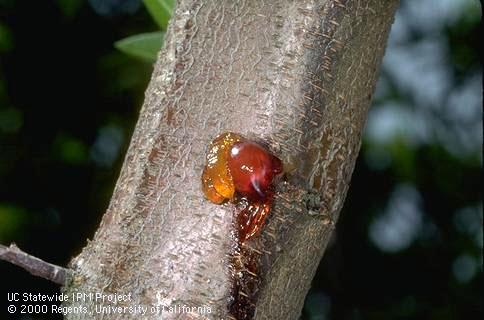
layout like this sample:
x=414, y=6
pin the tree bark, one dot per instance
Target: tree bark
x=297, y=76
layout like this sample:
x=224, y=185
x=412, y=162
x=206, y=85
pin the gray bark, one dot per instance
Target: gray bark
x=296, y=75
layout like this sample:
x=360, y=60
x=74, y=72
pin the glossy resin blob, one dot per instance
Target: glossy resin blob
x=242, y=172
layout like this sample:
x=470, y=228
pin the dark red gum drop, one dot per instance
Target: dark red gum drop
x=253, y=170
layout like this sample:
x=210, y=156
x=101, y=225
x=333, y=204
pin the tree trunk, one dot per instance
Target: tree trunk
x=295, y=75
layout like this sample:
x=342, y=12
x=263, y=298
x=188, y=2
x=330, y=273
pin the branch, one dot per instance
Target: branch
x=295, y=75
x=34, y=265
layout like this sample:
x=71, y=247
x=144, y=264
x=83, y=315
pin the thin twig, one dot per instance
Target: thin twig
x=33, y=265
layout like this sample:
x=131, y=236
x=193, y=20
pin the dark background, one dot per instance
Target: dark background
x=409, y=241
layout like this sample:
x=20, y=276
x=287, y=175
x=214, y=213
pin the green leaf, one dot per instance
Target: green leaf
x=144, y=46
x=160, y=10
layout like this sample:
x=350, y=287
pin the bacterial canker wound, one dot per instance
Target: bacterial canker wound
x=242, y=172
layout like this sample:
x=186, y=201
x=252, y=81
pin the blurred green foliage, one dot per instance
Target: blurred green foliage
x=69, y=150
x=408, y=244
x=145, y=46
x=69, y=8
x=12, y=221
x=10, y=120
x=5, y=39
x=160, y=10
